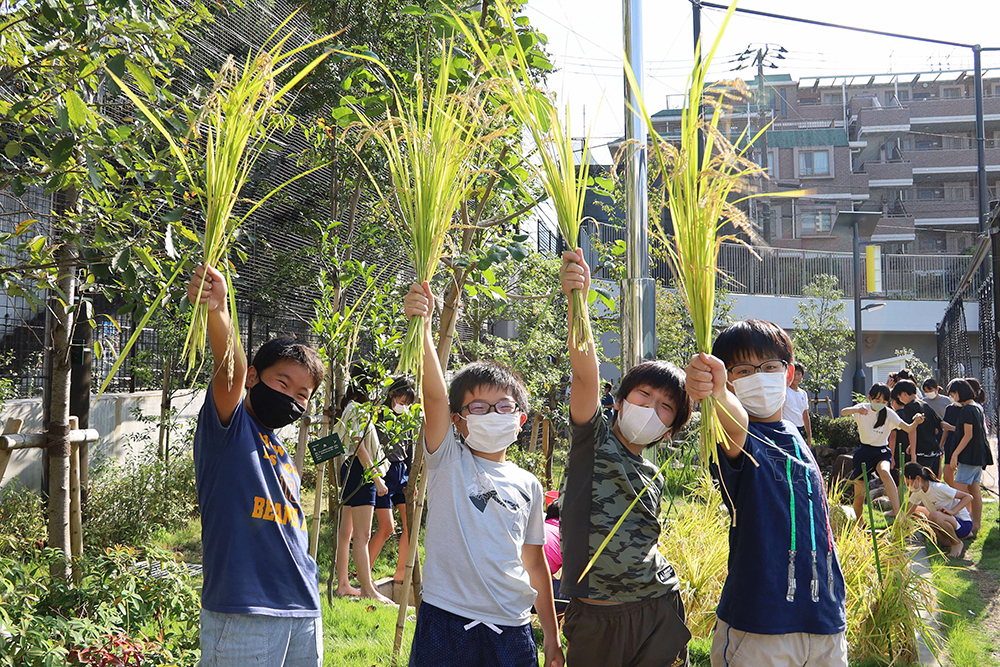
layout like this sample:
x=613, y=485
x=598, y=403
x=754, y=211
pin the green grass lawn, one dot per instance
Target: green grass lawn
x=970, y=621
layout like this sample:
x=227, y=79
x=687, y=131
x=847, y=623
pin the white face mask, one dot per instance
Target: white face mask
x=931, y=395
x=761, y=394
x=400, y=408
x=640, y=425
x=492, y=432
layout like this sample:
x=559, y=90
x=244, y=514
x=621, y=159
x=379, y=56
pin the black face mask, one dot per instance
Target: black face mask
x=273, y=408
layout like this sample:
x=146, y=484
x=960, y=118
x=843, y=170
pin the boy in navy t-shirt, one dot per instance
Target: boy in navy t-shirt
x=260, y=597
x=783, y=600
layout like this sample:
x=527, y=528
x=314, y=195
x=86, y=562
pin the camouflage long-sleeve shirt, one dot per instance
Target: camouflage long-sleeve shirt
x=602, y=479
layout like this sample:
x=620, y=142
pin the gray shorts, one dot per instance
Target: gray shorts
x=735, y=648
x=966, y=474
x=237, y=640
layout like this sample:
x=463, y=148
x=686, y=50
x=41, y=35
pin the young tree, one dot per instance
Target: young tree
x=674, y=331
x=920, y=370
x=822, y=335
x=108, y=174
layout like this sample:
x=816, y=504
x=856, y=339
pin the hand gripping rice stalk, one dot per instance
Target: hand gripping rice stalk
x=431, y=143
x=235, y=124
x=564, y=182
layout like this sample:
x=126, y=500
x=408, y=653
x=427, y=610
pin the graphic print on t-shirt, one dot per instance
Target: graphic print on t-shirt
x=481, y=494
x=266, y=509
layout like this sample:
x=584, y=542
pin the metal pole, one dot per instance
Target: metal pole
x=859, y=366
x=983, y=198
x=638, y=289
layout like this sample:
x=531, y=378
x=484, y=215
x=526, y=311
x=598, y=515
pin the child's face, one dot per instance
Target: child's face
x=482, y=394
x=756, y=360
x=287, y=376
x=648, y=396
x=877, y=401
x=916, y=484
x=797, y=378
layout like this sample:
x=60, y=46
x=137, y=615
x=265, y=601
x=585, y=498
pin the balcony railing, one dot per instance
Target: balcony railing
x=785, y=272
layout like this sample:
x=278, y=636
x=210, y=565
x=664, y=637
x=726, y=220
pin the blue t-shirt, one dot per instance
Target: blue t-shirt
x=253, y=530
x=762, y=593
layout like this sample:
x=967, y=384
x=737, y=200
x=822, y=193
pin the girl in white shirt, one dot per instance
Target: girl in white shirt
x=875, y=421
x=946, y=507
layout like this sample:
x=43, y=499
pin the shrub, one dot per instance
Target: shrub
x=117, y=615
x=843, y=433
x=22, y=522
x=129, y=501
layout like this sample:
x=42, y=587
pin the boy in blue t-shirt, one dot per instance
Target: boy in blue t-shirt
x=260, y=597
x=783, y=600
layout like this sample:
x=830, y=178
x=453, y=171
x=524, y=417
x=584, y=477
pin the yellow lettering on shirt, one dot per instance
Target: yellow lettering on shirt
x=291, y=515
x=258, y=507
x=279, y=513
x=269, y=511
x=280, y=450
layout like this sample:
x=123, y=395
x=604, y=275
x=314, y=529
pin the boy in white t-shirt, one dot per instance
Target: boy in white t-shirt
x=875, y=421
x=796, y=409
x=484, y=562
x=945, y=506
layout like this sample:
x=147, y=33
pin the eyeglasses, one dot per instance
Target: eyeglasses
x=504, y=407
x=770, y=366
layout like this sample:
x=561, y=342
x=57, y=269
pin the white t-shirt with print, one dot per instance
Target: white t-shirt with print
x=796, y=402
x=866, y=425
x=939, y=496
x=480, y=514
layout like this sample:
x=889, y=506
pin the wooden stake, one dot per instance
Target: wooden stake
x=10, y=428
x=317, y=507
x=411, y=557
x=548, y=448
x=300, y=448
x=75, y=514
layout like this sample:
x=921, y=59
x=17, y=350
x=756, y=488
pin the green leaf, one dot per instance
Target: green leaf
x=62, y=151
x=12, y=149
x=36, y=244
x=143, y=80
x=147, y=259
x=412, y=10
x=75, y=108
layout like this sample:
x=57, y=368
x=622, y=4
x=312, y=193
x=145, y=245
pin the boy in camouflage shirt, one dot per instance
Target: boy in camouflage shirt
x=627, y=609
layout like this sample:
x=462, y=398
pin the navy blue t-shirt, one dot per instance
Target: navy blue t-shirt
x=757, y=596
x=253, y=530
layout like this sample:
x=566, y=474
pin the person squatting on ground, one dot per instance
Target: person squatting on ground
x=260, y=595
x=362, y=481
x=484, y=565
x=972, y=450
x=875, y=420
x=782, y=602
x=796, y=409
x=399, y=454
x=627, y=609
x=945, y=506
x=924, y=441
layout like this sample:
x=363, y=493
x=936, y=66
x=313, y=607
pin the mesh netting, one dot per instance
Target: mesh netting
x=988, y=355
x=954, y=355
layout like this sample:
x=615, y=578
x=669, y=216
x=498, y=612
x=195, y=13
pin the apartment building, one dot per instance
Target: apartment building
x=900, y=144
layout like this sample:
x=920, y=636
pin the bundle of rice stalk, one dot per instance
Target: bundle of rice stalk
x=431, y=143
x=564, y=182
x=236, y=124
x=697, y=185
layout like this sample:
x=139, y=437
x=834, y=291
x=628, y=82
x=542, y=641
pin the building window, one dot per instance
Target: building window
x=930, y=193
x=904, y=95
x=922, y=96
x=808, y=101
x=956, y=191
x=814, y=163
x=954, y=142
x=817, y=221
x=772, y=163
x=832, y=98
x=933, y=243
x=951, y=93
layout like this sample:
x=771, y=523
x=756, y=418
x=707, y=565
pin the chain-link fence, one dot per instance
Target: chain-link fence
x=988, y=354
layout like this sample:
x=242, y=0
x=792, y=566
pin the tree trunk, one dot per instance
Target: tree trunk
x=57, y=430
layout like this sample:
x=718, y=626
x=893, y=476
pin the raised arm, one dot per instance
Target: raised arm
x=585, y=390
x=213, y=293
x=909, y=428
x=859, y=409
x=706, y=376
x=437, y=416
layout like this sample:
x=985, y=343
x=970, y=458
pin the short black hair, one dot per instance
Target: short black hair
x=905, y=374
x=291, y=349
x=978, y=395
x=401, y=387
x=552, y=511
x=664, y=376
x=606, y=386
x=800, y=367
x=903, y=387
x=931, y=383
x=486, y=374
x=963, y=389
x=742, y=339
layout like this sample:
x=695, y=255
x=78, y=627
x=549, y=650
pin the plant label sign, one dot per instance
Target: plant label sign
x=326, y=448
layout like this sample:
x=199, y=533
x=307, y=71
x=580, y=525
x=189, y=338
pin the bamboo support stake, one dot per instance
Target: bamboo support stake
x=411, y=556
x=75, y=514
x=320, y=475
x=536, y=422
x=11, y=427
x=300, y=448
